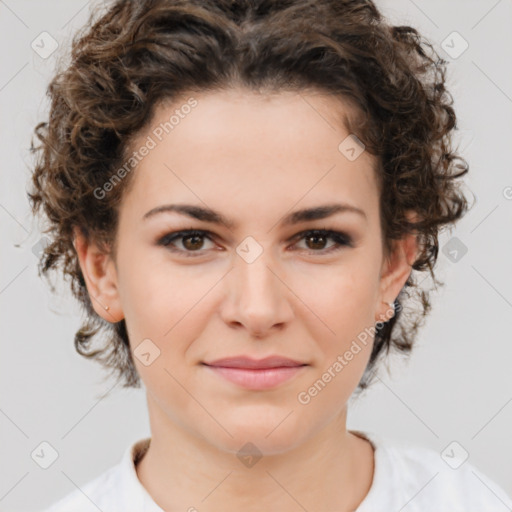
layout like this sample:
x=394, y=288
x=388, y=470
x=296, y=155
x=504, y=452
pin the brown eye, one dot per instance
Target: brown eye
x=192, y=242
x=315, y=240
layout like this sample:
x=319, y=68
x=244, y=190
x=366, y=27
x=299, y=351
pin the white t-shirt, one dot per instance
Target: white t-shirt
x=406, y=478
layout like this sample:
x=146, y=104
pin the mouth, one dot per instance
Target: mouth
x=249, y=363
x=256, y=374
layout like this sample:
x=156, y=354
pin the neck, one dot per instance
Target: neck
x=332, y=470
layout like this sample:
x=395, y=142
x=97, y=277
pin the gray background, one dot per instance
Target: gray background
x=457, y=384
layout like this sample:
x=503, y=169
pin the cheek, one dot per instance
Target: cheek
x=155, y=292
x=344, y=339
x=343, y=298
x=163, y=305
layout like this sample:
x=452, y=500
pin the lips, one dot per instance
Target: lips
x=248, y=363
x=256, y=374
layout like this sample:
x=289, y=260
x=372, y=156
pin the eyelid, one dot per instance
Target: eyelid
x=341, y=239
x=182, y=233
x=323, y=231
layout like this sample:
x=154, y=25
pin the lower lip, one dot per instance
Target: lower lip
x=257, y=379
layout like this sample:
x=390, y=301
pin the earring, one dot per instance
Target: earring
x=392, y=306
x=107, y=308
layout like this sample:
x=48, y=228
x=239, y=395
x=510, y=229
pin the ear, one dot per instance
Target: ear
x=395, y=271
x=100, y=276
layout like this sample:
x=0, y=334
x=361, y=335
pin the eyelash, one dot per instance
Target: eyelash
x=341, y=240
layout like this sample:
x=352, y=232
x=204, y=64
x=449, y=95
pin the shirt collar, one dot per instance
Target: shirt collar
x=135, y=496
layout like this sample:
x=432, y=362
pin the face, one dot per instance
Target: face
x=265, y=284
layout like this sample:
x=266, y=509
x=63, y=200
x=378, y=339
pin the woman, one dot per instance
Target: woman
x=242, y=194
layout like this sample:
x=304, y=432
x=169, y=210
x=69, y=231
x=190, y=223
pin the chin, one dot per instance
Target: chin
x=259, y=435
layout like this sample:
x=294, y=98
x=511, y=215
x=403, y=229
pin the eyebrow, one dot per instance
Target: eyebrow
x=208, y=215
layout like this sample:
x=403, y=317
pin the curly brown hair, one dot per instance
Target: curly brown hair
x=140, y=53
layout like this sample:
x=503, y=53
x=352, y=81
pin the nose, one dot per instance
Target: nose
x=257, y=297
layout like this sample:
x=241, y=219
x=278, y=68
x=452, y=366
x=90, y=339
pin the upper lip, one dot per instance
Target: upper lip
x=248, y=362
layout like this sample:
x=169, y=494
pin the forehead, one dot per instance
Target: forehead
x=246, y=148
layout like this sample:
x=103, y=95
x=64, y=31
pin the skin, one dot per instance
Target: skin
x=254, y=158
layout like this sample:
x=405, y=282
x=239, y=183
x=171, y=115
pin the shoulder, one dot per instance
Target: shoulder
x=423, y=479
x=115, y=489
x=95, y=495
